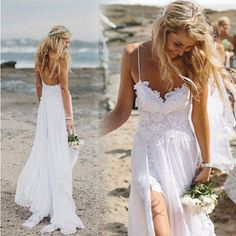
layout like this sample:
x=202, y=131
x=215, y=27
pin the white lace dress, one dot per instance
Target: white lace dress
x=45, y=183
x=164, y=158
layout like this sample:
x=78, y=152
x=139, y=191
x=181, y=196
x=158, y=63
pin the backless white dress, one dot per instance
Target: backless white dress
x=45, y=183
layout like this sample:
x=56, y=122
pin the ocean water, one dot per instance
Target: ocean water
x=83, y=54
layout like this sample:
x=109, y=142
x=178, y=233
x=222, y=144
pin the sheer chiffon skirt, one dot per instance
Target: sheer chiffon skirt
x=167, y=166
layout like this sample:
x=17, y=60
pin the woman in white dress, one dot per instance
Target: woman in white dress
x=45, y=183
x=170, y=75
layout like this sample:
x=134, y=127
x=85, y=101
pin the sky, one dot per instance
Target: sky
x=213, y=4
x=34, y=18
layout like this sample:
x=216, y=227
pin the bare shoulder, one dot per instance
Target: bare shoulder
x=53, y=57
x=130, y=49
x=63, y=63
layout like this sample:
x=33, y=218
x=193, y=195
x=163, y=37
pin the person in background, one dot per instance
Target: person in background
x=227, y=40
x=220, y=48
x=224, y=59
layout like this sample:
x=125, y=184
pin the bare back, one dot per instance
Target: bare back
x=45, y=75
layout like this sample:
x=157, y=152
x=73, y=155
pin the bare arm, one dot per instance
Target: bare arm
x=120, y=114
x=66, y=94
x=202, y=131
x=64, y=88
x=201, y=124
x=38, y=84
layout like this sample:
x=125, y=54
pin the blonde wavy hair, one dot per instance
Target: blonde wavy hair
x=201, y=62
x=54, y=42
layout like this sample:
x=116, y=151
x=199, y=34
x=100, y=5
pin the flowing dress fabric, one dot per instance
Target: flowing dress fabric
x=222, y=123
x=164, y=158
x=230, y=185
x=45, y=183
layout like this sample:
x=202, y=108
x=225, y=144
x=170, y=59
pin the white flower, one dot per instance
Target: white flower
x=208, y=209
x=194, y=209
x=208, y=200
x=196, y=201
x=203, y=204
x=74, y=142
x=186, y=200
x=214, y=196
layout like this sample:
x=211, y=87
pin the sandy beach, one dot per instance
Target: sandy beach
x=19, y=111
x=134, y=25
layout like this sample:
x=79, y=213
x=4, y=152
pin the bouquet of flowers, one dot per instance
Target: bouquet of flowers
x=200, y=198
x=74, y=142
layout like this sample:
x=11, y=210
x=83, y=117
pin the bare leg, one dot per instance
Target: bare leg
x=160, y=215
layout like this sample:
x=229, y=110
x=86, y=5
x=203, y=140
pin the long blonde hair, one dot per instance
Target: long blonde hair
x=202, y=61
x=54, y=42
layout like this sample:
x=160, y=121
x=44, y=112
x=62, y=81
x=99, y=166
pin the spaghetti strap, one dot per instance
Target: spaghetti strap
x=139, y=69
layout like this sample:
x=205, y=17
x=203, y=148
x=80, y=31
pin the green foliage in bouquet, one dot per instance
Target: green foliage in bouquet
x=200, y=190
x=75, y=142
x=73, y=138
x=196, y=190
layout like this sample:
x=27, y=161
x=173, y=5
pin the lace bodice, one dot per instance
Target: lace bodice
x=161, y=115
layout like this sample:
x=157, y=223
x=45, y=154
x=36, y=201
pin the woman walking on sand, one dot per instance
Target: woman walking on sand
x=170, y=75
x=45, y=183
